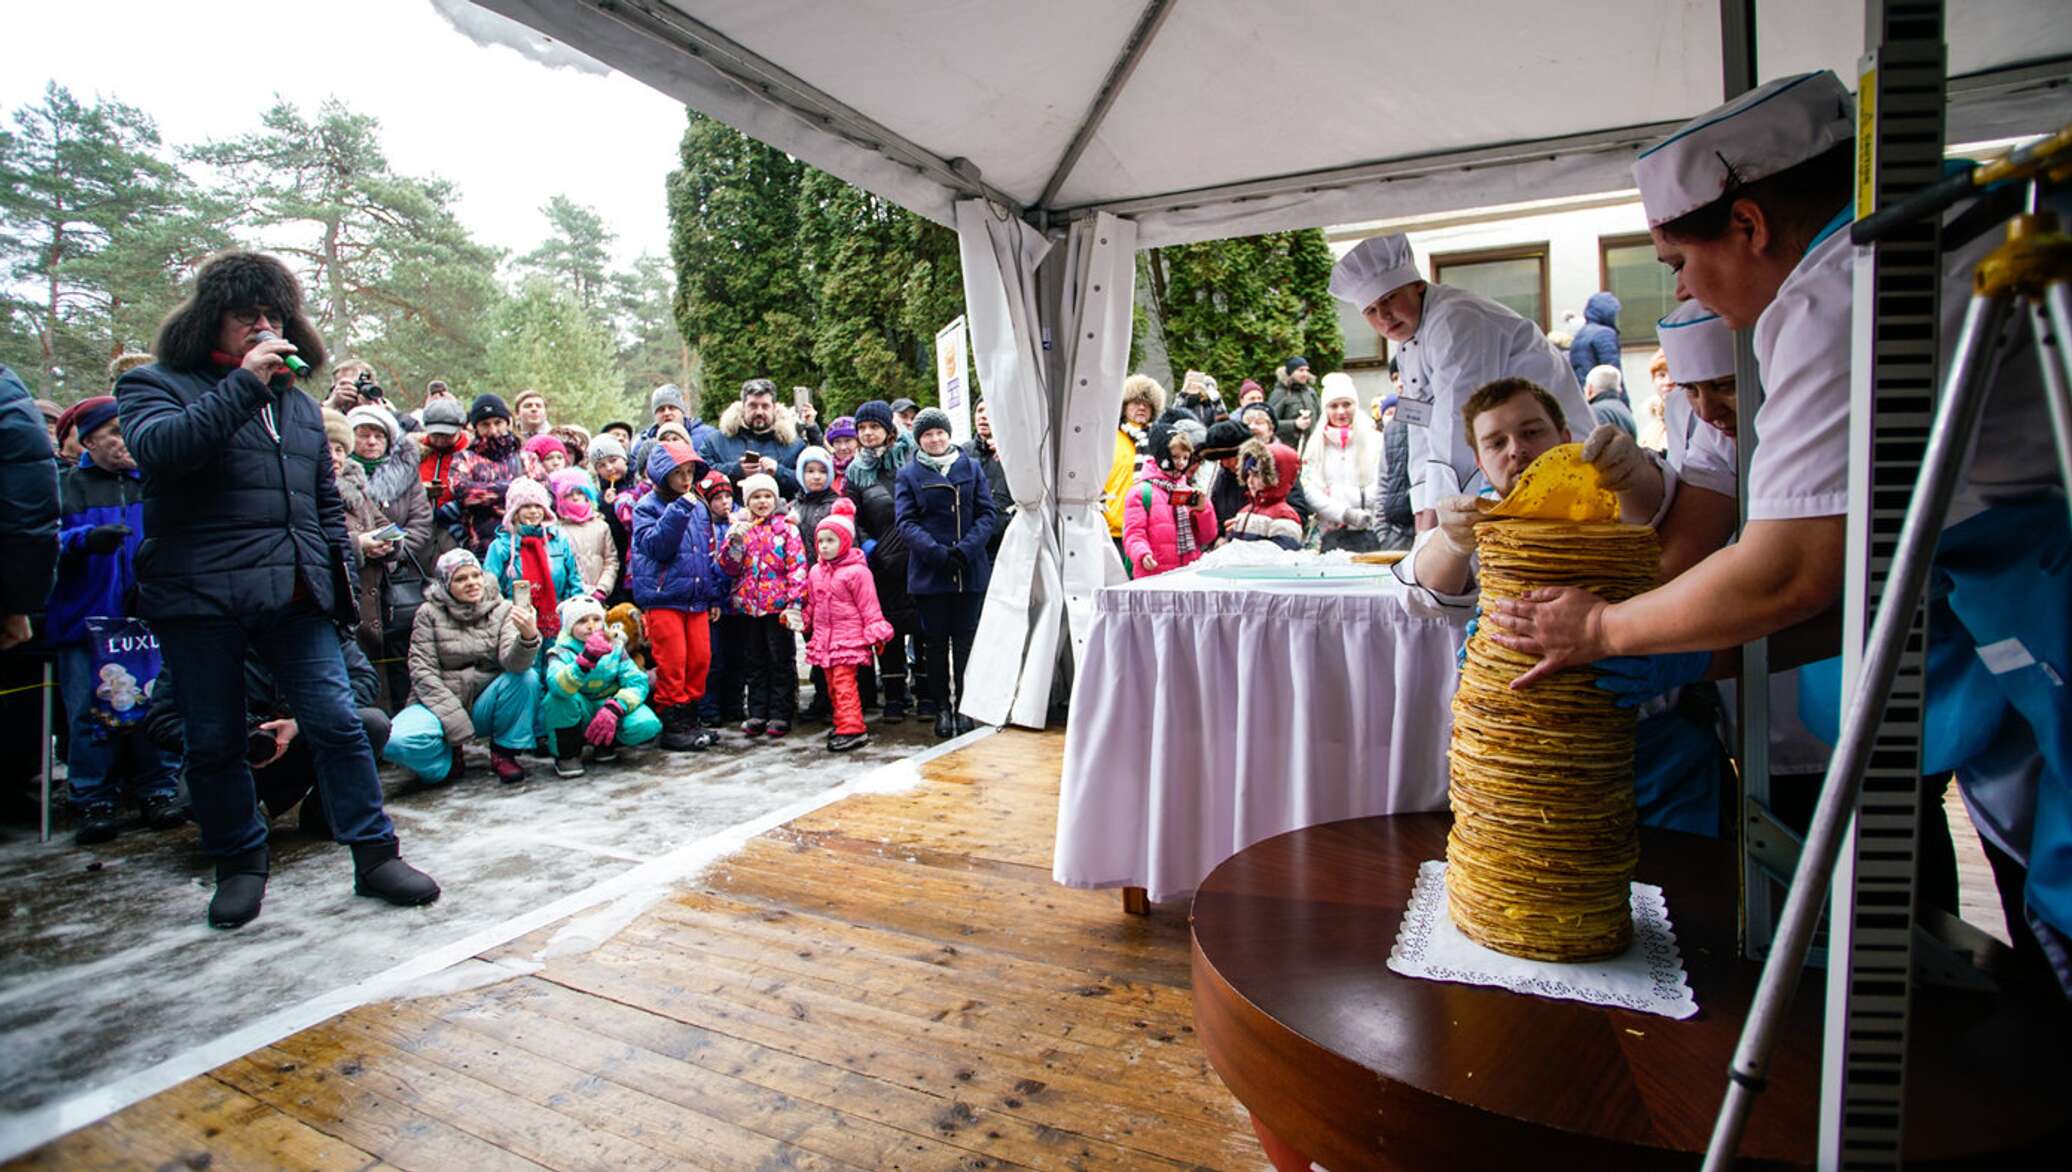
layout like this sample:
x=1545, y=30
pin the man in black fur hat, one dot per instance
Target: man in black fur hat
x=248, y=548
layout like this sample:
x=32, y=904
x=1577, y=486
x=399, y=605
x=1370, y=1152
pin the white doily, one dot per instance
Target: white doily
x=1648, y=977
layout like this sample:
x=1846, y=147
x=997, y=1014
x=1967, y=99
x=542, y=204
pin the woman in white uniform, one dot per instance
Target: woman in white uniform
x=1747, y=203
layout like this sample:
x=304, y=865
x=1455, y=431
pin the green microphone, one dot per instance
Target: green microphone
x=288, y=360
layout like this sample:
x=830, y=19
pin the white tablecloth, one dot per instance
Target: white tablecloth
x=1210, y=714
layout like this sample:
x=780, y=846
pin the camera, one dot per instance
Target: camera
x=367, y=387
x=260, y=745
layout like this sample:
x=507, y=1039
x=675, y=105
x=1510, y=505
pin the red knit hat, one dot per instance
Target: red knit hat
x=841, y=522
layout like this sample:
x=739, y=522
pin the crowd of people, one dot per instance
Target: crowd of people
x=331, y=580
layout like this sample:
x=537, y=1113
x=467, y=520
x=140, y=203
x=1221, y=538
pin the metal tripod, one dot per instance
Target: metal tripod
x=2034, y=268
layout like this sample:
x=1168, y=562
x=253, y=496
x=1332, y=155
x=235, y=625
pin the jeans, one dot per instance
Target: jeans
x=949, y=621
x=503, y=713
x=90, y=751
x=300, y=647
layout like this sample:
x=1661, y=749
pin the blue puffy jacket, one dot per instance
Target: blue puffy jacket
x=1597, y=340
x=94, y=584
x=29, y=486
x=674, y=565
x=938, y=513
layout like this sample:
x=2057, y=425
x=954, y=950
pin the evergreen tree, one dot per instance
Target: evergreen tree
x=576, y=251
x=1236, y=308
x=544, y=339
x=97, y=229
x=651, y=352
x=742, y=299
x=385, y=265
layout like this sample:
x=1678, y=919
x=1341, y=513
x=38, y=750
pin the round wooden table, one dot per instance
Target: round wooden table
x=1355, y=1066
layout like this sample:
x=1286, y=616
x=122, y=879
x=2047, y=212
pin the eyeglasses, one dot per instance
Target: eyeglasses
x=251, y=315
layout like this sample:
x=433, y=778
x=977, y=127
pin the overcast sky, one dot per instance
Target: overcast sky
x=508, y=131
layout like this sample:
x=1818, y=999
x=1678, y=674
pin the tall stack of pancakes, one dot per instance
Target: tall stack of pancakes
x=1543, y=845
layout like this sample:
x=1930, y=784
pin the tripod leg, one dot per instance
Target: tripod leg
x=2052, y=317
x=1957, y=415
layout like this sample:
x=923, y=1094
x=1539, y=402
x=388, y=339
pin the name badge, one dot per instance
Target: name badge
x=1415, y=412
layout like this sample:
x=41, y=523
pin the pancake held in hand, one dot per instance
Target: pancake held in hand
x=1559, y=485
x=1540, y=860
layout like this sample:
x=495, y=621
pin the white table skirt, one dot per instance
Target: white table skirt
x=1210, y=714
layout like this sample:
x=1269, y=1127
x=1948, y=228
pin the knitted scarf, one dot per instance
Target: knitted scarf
x=537, y=568
x=940, y=463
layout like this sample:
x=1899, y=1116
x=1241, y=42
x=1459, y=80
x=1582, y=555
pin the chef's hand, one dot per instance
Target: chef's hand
x=1562, y=625
x=1621, y=465
x=1457, y=518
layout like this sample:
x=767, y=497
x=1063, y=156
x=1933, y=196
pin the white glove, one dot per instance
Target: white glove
x=1620, y=463
x=1358, y=519
x=1457, y=517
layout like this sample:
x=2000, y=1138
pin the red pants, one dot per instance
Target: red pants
x=682, y=643
x=841, y=685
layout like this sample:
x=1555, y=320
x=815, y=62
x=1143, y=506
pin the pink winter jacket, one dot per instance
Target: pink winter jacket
x=843, y=622
x=767, y=561
x=1156, y=530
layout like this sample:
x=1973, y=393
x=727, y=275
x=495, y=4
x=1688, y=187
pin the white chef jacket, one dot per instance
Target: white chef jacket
x=1462, y=342
x=1802, y=342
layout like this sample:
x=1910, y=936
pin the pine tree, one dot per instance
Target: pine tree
x=102, y=227
x=651, y=352
x=576, y=251
x=384, y=264
x=1236, y=308
x=543, y=338
x=741, y=296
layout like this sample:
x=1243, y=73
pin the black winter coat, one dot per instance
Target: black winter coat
x=988, y=458
x=29, y=490
x=877, y=519
x=1398, y=523
x=235, y=518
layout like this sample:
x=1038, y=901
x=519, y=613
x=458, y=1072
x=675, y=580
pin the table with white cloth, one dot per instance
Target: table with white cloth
x=1210, y=713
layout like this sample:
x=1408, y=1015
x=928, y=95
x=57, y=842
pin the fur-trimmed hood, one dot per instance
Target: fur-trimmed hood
x=785, y=428
x=1277, y=465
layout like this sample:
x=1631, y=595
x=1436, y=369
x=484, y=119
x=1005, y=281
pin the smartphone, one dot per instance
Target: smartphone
x=389, y=532
x=802, y=396
x=751, y=457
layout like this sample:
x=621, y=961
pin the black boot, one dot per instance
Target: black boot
x=163, y=811
x=965, y=724
x=240, y=889
x=97, y=824
x=379, y=871
x=680, y=731
x=945, y=725
x=568, y=752
x=843, y=742
x=895, y=701
x=702, y=738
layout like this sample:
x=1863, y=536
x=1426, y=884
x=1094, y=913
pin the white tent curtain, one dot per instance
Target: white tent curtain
x=1055, y=441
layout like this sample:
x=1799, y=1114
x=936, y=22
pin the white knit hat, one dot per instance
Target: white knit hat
x=1766, y=130
x=1376, y=266
x=575, y=608
x=1338, y=385
x=759, y=482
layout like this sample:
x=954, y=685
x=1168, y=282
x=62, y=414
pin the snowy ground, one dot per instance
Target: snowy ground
x=107, y=968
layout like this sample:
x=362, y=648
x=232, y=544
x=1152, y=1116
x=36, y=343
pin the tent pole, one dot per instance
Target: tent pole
x=1133, y=49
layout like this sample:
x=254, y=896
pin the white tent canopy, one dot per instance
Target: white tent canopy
x=1059, y=137
x=1206, y=118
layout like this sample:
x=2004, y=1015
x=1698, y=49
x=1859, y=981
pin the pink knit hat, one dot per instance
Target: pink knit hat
x=540, y=445
x=523, y=492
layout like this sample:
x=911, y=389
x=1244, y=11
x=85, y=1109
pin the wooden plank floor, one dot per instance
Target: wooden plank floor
x=891, y=982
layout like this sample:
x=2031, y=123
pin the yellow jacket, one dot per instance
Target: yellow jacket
x=1121, y=474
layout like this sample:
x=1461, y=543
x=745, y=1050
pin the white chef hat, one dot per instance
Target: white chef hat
x=1698, y=343
x=1376, y=266
x=1766, y=130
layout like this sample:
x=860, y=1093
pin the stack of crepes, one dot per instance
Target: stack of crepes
x=1543, y=845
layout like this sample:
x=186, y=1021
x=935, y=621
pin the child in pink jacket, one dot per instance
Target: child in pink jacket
x=1166, y=521
x=765, y=556
x=844, y=625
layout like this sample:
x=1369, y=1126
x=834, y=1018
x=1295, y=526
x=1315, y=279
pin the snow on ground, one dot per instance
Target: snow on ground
x=107, y=966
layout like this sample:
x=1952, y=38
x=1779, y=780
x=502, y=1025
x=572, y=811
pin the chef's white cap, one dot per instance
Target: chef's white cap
x=1766, y=130
x=1698, y=343
x=1376, y=266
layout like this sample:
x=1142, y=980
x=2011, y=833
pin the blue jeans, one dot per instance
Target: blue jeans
x=207, y=659
x=91, y=748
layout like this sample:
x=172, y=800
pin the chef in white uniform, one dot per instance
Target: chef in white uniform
x=1450, y=342
x=1748, y=204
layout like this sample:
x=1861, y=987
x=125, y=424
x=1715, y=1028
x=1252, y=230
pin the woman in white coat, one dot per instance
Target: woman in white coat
x=1341, y=469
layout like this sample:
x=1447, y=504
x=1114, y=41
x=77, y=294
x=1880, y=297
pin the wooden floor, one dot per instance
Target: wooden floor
x=891, y=982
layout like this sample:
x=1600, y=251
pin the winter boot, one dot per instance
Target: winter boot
x=778, y=728
x=240, y=889
x=163, y=811
x=843, y=742
x=505, y=763
x=895, y=701
x=965, y=724
x=568, y=753
x=379, y=871
x=97, y=824
x=755, y=726
x=605, y=754
x=945, y=725
x=680, y=731
x=702, y=738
